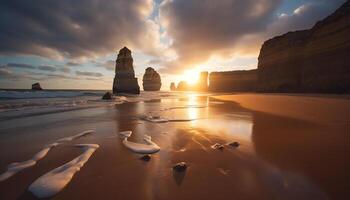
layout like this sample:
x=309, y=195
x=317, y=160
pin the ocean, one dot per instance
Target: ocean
x=24, y=103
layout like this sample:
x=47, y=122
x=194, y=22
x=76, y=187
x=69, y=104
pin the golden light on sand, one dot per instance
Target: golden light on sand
x=191, y=76
x=192, y=112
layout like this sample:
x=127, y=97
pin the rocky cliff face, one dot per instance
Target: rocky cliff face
x=151, y=80
x=233, y=81
x=315, y=60
x=124, y=80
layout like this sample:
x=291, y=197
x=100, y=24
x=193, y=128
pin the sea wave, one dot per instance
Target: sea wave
x=27, y=94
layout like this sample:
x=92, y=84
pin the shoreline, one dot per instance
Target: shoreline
x=313, y=107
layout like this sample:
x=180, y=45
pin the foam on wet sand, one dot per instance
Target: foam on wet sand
x=54, y=181
x=149, y=148
x=70, y=138
x=16, y=167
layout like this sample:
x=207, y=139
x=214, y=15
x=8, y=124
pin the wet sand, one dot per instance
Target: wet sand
x=280, y=157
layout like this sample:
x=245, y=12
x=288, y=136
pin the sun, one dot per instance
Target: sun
x=191, y=76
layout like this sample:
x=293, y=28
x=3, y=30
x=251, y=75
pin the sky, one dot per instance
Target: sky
x=73, y=44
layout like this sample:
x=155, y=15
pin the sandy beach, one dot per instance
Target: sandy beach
x=291, y=147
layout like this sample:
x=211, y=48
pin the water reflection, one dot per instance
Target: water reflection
x=254, y=170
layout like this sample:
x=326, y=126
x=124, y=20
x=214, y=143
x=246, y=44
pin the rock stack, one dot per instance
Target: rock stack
x=151, y=80
x=172, y=86
x=124, y=80
x=36, y=86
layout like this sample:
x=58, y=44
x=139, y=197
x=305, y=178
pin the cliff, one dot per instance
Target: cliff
x=124, y=80
x=315, y=60
x=233, y=81
x=151, y=80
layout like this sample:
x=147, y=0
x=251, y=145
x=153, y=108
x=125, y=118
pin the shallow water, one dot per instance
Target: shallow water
x=278, y=158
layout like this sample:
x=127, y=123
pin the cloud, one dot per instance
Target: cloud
x=19, y=65
x=201, y=29
x=109, y=64
x=73, y=64
x=76, y=28
x=47, y=68
x=303, y=17
x=91, y=74
x=64, y=69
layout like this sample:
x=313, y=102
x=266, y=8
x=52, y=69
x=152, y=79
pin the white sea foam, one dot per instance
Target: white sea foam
x=125, y=134
x=16, y=167
x=216, y=102
x=149, y=148
x=184, y=107
x=70, y=138
x=155, y=119
x=54, y=181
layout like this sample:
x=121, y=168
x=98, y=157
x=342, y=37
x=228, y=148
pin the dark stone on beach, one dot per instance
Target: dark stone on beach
x=146, y=158
x=180, y=167
x=125, y=80
x=107, y=96
x=36, y=86
x=234, y=144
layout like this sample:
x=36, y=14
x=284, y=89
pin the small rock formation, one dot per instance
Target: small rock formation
x=180, y=167
x=172, y=86
x=314, y=60
x=107, y=96
x=151, y=80
x=124, y=80
x=233, y=81
x=182, y=86
x=36, y=86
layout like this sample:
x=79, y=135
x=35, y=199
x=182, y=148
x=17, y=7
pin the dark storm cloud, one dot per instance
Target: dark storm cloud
x=47, y=68
x=202, y=28
x=73, y=64
x=19, y=65
x=74, y=28
x=91, y=74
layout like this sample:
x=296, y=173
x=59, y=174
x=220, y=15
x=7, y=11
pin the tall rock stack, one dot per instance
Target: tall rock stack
x=124, y=80
x=151, y=80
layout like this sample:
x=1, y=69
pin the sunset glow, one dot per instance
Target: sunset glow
x=191, y=76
